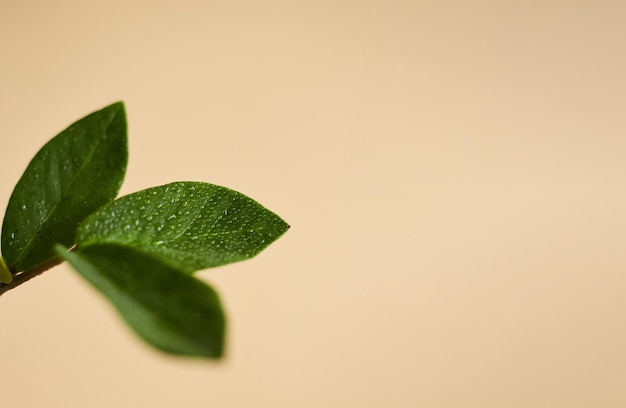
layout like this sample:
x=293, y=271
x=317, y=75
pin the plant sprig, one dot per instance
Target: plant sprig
x=141, y=250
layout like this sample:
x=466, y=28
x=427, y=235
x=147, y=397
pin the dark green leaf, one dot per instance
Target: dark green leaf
x=190, y=225
x=168, y=308
x=75, y=173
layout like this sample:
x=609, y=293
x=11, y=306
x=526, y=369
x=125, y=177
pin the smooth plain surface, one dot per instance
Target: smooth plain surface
x=453, y=173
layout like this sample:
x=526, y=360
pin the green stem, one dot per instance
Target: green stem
x=27, y=275
x=5, y=274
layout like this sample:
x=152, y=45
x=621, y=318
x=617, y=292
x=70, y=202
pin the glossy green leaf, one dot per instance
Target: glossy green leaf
x=75, y=173
x=168, y=308
x=190, y=225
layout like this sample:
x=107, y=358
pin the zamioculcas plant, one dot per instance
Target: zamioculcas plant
x=141, y=250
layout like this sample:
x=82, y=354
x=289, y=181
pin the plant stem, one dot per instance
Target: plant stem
x=27, y=275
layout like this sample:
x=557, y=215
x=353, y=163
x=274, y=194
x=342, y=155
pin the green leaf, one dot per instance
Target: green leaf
x=190, y=225
x=74, y=174
x=171, y=310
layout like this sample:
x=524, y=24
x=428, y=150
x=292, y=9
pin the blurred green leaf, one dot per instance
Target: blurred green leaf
x=190, y=225
x=74, y=174
x=171, y=310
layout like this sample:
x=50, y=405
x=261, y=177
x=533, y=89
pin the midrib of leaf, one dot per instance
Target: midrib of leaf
x=181, y=233
x=164, y=242
x=145, y=247
x=209, y=230
x=201, y=235
x=62, y=195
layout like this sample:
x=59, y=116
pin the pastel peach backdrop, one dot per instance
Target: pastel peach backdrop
x=453, y=172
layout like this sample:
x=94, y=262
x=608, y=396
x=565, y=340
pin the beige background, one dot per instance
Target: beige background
x=454, y=173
